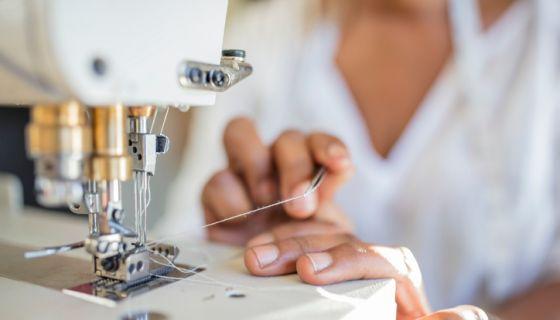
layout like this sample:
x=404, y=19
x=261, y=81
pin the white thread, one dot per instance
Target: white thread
x=210, y=280
x=192, y=271
x=248, y=213
x=315, y=183
x=136, y=227
x=142, y=198
x=147, y=199
x=142, y=191
x=164, y=120
x=140, y=209
x=153, y=121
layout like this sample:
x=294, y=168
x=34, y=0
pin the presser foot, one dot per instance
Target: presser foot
x=109, y=292
x=131, y=273
x=134, y=264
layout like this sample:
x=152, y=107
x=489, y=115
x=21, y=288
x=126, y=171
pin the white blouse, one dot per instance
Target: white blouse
x=469, y=187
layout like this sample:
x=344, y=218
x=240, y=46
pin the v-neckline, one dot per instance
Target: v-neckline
x=426, y=118
x=339, y=114
x=423, y=124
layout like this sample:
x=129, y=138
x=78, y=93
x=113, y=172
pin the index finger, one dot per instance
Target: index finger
x=251, y=159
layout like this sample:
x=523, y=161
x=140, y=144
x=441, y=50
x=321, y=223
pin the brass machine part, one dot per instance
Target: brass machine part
x=142, y=111
x=110, y=159
x=59, y=130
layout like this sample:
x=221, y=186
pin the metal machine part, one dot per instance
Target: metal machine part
x=143, y=145
x=53, y=250
x=232, y=69
x=110, y=160
x=118, y=253
x=129, y=266
x=59, y=141
x=107, y=291
x=134, y=264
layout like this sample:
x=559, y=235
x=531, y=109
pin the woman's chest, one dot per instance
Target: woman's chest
x=389, y=67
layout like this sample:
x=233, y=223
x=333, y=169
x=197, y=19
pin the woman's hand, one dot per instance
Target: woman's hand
x=259, y=175
x=322, y=253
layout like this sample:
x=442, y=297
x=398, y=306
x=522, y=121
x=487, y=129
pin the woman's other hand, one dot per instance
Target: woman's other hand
x=258, y=175
x=322, y=253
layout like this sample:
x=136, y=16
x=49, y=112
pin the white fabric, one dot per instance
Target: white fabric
x=470, y=185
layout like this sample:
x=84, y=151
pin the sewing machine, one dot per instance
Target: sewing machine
x=96, y=75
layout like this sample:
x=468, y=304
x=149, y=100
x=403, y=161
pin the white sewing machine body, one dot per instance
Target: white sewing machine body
x=95, y=72
x=104, y=52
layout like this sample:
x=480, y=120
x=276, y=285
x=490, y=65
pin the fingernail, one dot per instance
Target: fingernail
x=305, y=204
x=320, y=260
x=335, y=150
x=266, y=254
x=261, y=239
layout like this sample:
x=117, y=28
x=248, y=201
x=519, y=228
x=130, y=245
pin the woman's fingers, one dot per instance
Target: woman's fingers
x=356, y=260
x=224, y=196
x=331, y=258
x=280, y=257
x=296, y=157
x=465, y=312
x=330, y=152
x=226, y=234
x=251, y=159
x=295, y=168
x=295, y=229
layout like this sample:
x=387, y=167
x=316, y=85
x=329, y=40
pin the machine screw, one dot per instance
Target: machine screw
x=118, y=215
x=219, y=78
x=195, y=75
x=110, y=264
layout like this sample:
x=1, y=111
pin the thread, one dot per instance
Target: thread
x=154, y=121
x=209, y=280
x=143, y=197
x=315, y=183
x=164, y=120
x=142, y=191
